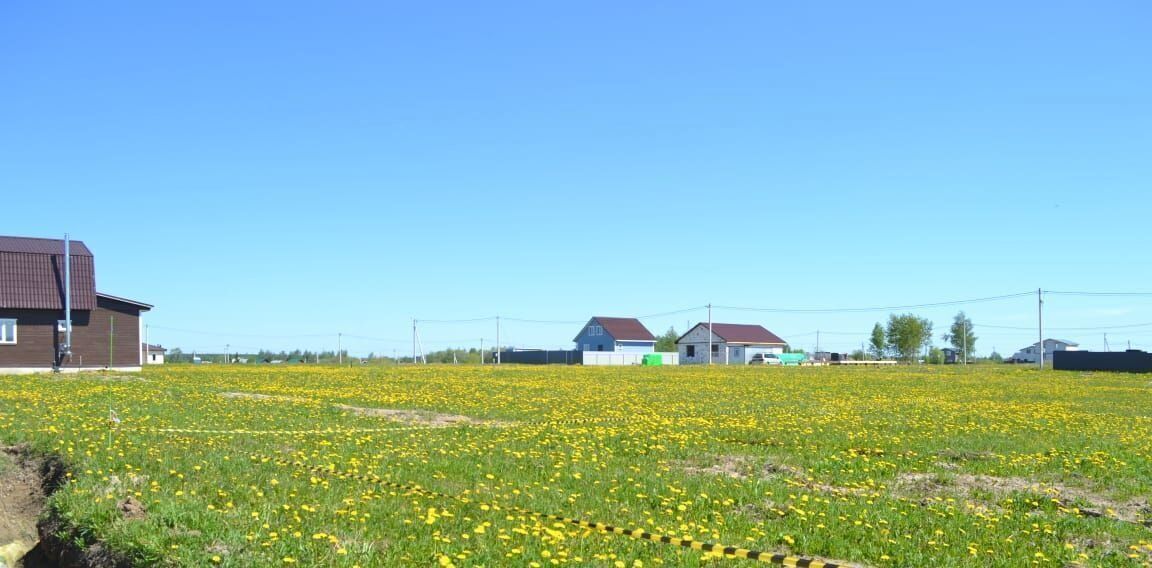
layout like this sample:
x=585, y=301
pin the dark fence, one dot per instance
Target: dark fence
x=542, y=357
x=1132, y=361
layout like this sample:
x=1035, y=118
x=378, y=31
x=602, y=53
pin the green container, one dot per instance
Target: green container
x=791, y=358
x=652, y=360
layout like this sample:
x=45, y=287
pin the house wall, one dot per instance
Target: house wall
x=154, y=358
x=698, y=338
x=1029, y=355
x=636, y=346
x=587, y=342
x=38, y=341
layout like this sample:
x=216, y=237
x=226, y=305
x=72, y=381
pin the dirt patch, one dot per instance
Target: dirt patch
x=417, y=417
x=29, y=538
x=1072, y=499
x=131, y=509
x=735, y=467
x=21, y=500
x=258, y=396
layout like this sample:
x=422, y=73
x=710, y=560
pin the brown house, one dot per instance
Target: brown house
x=33, y=333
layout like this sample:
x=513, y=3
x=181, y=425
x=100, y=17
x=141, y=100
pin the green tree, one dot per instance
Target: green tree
x=878, y=341
x=907, y=334
x=996, y=357
x=936, y=356
x=667, y=343
x=961, y=336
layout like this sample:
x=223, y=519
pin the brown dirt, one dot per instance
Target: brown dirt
x=131, y=509
x=28, y=537
x=258, y=396
x=1088, y=503
x=735, y=467
x=21, y=500
x=415, y=417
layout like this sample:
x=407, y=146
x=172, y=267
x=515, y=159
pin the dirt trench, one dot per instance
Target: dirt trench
x=31, y=535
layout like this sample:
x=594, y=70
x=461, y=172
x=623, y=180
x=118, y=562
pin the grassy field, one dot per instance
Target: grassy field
x=985, y=466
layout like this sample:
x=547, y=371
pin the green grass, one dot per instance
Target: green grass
x=943, y=466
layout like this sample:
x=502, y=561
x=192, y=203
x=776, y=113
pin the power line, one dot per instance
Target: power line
x=875, y=308
x=1063, y=293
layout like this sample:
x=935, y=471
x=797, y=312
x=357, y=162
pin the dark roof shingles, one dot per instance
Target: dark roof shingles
x=625, y=329
x=32, y=274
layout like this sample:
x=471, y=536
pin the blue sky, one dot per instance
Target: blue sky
x=269, y=174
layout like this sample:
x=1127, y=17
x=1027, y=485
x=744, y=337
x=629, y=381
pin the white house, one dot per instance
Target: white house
x=1029, y=354
x=154, y=354
x=732, y=343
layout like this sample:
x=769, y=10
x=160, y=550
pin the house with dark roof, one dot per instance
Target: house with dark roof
x=731, y=344
x=620, y=335
x=105, y=329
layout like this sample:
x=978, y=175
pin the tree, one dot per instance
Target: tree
x=961, y=336
x=667, y=343
x=935, y=356
x=878, y=341
x=907, y=335
x=174, y=355
x=996, y=357
x=858, y=355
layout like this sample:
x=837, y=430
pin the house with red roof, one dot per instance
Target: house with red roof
x=37, y=308
x=731, y=343
x=616, y=335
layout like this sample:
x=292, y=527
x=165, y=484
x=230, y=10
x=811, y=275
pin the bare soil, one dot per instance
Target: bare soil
x=1088, y=503
x=21, y=500
x=416, y=417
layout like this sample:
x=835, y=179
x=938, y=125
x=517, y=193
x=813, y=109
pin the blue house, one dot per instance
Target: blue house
x=620, y=335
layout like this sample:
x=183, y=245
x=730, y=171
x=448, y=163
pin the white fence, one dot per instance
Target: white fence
x=610, y=358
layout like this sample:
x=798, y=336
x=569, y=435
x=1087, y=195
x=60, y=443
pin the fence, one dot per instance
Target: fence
x=1132, y=361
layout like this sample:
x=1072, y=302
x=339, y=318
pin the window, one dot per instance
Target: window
x=600, y=347
x=691, y=351
x=715, y=348
x=594, y=330
x=8, y=331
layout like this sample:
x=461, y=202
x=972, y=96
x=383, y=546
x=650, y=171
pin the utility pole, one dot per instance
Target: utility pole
x=709, y=333
x=339, y=349
x=111, y=334
x=964, y=326
x=1106, y=343
x=226, y=346
x=1040, y=326
x=481, y=351
x=817, y=341
x=413, y=341
x=497, y=361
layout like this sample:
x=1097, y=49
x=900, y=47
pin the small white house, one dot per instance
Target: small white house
x=1030, y=354
x=732, y=344
x=154, y=354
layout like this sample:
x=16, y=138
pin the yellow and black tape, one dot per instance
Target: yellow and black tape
x=730, y=551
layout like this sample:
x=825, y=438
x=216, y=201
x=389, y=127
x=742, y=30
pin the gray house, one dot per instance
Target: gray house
x=621, y=335
x=732, y=343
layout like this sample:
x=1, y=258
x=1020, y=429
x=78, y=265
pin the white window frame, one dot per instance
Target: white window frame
x=5, y=325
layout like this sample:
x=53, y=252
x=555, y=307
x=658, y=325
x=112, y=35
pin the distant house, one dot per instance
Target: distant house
x=626, y=335
x=33, y=332
x=732, y=343
x=1030, y=354
x=154, y=354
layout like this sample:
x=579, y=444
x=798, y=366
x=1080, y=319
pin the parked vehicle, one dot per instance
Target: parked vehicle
x=764, y=359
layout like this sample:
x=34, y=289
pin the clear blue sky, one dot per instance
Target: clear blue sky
x=260, y=170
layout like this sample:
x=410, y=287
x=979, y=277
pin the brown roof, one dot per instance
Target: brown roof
x=744, y=333
x=32, y=274
x=624, y=329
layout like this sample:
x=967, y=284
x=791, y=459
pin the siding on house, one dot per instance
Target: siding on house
x=37, y=340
